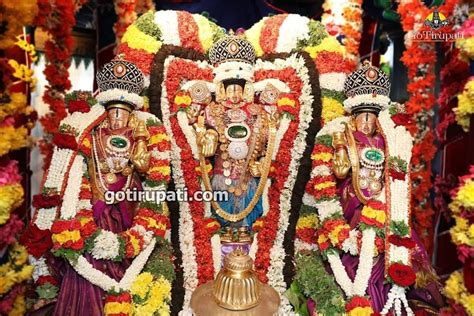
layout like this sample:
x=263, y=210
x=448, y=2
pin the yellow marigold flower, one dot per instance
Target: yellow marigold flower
x=329, y=44
x=361, y=311
x=286, y=101
x=22, y=71
x=19, y=306
x=117, y=308
x=332, y=109
x=165, y=170
x=205, y=31
x=334, y=234
x=138, y=40
x=253, y=36
x=12, y=139
x=465, y=195
x=322, y=239
x=465, y=106
x=155, y=139
x=308, y=221
x=11, y=198
x=324, y=185
x=455, y=286
x=66, y=236
x=322, y=156
x=142, y=283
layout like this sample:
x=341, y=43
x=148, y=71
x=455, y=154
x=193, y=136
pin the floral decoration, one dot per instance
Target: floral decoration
x=57, y=19
x=420, y=59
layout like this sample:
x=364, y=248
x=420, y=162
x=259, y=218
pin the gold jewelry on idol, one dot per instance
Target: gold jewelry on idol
x=261, y=185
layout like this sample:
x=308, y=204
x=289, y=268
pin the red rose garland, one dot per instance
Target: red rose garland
x=267, y=234
x=180, y=69
x=57, y=19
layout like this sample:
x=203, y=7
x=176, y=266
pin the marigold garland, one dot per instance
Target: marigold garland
x=126, y=15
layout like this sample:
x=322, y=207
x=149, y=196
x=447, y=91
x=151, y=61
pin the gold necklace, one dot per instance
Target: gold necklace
x=261, y=185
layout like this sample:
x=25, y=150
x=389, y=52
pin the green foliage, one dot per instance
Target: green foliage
x=400, y=228
x=153, y=183
x=158, y=208
x=146, y=24
x=317, y=32
x=297, y=299
x=398, y=164
x=160, y=261
x=47, y=291
x=337, y=95
x=307, y=210
x=325, y=140
x=152, y=122
x=314, y=282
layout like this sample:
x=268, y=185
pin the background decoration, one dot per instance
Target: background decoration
x=126, y=15
x=16, y=120
x=14, y=15
x=420, y=60
x=460, y=285
x=57, y=19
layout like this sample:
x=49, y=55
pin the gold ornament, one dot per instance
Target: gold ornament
x=236, y=291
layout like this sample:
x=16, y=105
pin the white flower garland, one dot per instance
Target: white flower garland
x=71, y=194
x=186, y=229
x=100, y=279
x=233, y=69
x=167, y=21
x=277, y=252
x=216, y=253
x=293, y=29
x=332, y=81
x=106, y=246
x=45, y=218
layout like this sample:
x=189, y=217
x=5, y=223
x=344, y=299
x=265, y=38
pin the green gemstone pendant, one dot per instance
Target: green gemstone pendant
x=118, y=142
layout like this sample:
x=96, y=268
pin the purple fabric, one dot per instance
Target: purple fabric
x=377, y=290
x=100, y=206
x=78, y=296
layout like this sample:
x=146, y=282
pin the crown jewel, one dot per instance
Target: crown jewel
x=232, y=48
x=367, y=88
x=122, y=75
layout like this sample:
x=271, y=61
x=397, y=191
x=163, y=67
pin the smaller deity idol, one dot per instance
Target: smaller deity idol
x=238, y=133
x=360, y=164
x=97, y=231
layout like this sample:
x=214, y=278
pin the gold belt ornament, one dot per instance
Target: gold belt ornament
x=261, y=185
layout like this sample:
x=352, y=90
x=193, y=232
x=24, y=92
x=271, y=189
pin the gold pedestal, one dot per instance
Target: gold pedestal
x=203, y=303
x=235, y=291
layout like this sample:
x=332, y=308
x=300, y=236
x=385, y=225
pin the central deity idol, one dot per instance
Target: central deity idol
x=236, y=129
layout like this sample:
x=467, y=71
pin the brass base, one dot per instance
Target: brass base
x=204, y=304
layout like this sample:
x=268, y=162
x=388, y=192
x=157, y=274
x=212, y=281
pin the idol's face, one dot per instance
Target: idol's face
x=118, y=118
x=234, y=93
x=366, y=123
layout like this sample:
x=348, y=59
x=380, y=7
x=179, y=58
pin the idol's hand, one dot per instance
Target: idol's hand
x=255, y=168
x=341, y=164
x=208, y=143
x=141, y=159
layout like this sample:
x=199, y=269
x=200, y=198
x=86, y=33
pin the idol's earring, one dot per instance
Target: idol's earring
x=249, y=92
x=220, y=92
